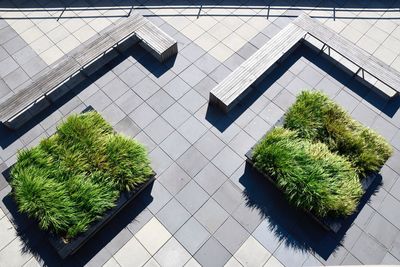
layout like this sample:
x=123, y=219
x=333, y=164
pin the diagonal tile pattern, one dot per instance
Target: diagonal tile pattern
x=198, y=212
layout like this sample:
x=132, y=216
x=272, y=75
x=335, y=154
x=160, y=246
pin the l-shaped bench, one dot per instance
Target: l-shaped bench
x=237, y=85
x=75, y=66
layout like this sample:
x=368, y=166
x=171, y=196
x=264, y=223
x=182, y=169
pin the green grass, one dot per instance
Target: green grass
x=320, y=154
x=312, y=177
x=317, y=118
x=70, y=179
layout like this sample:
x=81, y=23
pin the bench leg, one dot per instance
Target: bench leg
x=57, y=93
x=128, y=43
x=16, y=122
x=28, y=113
x=213, y=100
x=356, y=73
x=172, y=51
x=161, y=57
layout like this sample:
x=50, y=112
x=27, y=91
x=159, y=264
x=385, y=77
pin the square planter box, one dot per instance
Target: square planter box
x=65, y=248
x=333, y=224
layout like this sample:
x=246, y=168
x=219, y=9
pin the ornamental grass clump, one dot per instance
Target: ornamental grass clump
x=317, y=118
x=310, y=175
x=72, y=178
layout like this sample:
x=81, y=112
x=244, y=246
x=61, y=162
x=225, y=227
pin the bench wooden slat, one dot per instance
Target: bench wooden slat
x=150, y=32
x=93, y=50
x=264, y=58
x=127, y=30
x=234, y=86
x=50, y=79
x=237, y=84
x=350, y=51
x=156, y=41
x=84, y=57
x=231, y=83
x=112, y=36
x=388, y=76
x=313, y=27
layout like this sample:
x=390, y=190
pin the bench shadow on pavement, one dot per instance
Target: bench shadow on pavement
x=325, y=64
x=137, y=53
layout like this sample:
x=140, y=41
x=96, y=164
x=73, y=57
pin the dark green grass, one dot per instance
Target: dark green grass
x=70, y=179
x=317, y=118
x=312, y=177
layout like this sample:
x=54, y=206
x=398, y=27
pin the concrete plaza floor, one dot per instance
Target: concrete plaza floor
x=207, y=207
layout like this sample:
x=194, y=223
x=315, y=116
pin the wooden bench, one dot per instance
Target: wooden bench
x=368, y=68
x=237, y=85
x=75, y=66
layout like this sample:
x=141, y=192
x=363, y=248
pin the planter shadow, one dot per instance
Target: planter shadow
x=51, y=248
x=36, y=241
x=295, y=227
x=66, y=249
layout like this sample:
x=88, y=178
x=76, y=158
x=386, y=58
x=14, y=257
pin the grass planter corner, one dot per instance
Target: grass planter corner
x=64, y=249
x=333, y=224
x=78, y=179
x=322, y=160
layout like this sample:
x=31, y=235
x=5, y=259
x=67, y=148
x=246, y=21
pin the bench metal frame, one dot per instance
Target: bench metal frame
x=370, y=70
